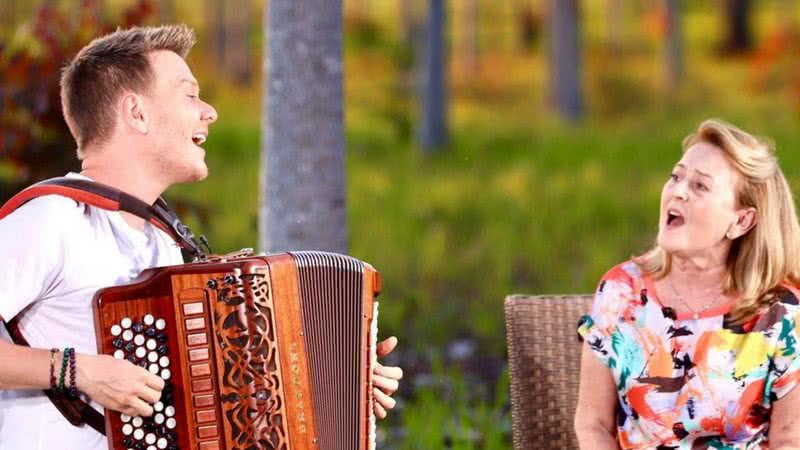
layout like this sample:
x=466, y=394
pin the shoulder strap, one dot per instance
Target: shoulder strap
x=76, y=411
x=106, y=197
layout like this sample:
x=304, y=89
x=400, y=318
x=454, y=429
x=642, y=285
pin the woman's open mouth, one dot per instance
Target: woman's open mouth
x=674, y=219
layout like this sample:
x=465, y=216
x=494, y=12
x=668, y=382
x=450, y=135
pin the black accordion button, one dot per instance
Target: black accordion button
x=150, y=331
x=118, y=343
x=138, y=328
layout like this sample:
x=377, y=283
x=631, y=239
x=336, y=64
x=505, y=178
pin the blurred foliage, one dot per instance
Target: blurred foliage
x=35, y=142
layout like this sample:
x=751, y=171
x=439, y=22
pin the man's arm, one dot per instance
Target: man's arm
x=113, y=383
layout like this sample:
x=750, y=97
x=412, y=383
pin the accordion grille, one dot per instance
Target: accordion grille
x=332, y=304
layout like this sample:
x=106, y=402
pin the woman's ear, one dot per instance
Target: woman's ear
x=133, y=113
x=745, y=221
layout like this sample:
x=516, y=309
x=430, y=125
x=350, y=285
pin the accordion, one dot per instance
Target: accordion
x=257, y=352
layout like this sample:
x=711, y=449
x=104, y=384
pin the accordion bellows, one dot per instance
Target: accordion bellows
x=266, y=352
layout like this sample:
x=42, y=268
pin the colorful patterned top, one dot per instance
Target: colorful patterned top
x=686, y=382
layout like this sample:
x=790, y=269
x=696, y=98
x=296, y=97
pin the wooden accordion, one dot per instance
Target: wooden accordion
x=258, y=352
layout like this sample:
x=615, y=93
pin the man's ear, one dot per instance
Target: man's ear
x=133, y=112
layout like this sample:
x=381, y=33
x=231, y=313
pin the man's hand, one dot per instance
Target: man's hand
x=118, y=385
x=385, y=380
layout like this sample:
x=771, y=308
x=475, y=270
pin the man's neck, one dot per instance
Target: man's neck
x=131, y=179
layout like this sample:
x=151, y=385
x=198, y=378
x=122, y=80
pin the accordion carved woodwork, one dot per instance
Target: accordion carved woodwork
x=257, y=352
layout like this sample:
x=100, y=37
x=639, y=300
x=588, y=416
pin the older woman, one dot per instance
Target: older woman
x=694, y=344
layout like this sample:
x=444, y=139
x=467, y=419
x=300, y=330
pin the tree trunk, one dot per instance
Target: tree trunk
x=470, y=51
x=738, y=20
x=302, y=169
x=433, y=120
x=673, y=54
x=237, y=41
x=215, y=27
x=565, y=77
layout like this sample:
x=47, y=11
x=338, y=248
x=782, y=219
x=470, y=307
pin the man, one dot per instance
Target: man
x=133, y=106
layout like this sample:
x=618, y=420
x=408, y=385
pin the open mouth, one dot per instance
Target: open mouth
x=199, y=138
x=674, y=219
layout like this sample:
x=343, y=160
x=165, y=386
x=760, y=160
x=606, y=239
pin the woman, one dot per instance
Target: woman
x=694, y=344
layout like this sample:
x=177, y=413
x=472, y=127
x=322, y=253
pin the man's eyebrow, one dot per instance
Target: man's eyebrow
x=189, y=81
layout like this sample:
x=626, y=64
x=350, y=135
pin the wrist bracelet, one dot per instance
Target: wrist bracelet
x=53, y=352
x=64, y=362
x=73, y=391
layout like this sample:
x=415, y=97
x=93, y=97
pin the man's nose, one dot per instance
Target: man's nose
x=210, y=114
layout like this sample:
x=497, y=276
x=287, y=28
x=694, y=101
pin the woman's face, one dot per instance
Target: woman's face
x=698, y=203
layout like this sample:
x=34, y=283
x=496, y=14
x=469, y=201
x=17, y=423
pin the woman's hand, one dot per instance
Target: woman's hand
x=117, y=384
x=385, y=380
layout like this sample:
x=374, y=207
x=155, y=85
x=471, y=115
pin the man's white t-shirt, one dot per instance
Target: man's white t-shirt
x=55, y=253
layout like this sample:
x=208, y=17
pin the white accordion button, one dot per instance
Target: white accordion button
x=169, y=411
x=166, y=374
x=138, y=434
x=159, y=419
x=153, y=368
x=152, y=357
x=126, y=322
x=171, y=423
x=127, y=335
x=162, y=443
x=116, y=330
x=158, y=407
x=148, y=319
x=127, y=429
x=125, y=418
x=137, y=422
x=152, y=344
x=150, y=438
x=164, y=361
x=119, y=354
x=138, y=340
x=141, y=352
x=151, y=447
x=161, y=324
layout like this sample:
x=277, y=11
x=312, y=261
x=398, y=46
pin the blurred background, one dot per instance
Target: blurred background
x=491, y=147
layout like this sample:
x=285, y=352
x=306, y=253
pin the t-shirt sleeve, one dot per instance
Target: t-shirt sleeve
x=597, y=328
x=32, y=252
x=784, y=373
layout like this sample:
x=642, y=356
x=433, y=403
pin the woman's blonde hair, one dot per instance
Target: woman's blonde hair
x=769, y=253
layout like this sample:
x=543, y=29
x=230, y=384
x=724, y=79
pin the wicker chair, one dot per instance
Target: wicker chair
x=544, y=357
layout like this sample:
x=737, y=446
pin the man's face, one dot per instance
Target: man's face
x=180, y=120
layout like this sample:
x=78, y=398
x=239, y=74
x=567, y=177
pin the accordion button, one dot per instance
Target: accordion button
x=137, y=327
x=137, y=422
x=127, y=335
x=203, y=400
x=153, y=357
x=150, y=332
x=164, y=361
x=161, y=324
x=150, y=438
x=166, y=374
x=126, y=322
x=152, y=344
x=195, y=324
x=201, y=385
x=196, y=339
x=138, y=339
x=153, y=368
x=193, y=308
x=119, y=354
x=207, y=431
x=163, y=349
x=148, y=319
x=130, y=347
x=125, y=418
x=118, y=343
x=141, y=352
x=200, y=354
x=161, y=443
x=206, y=416
x=200, y=369
x=169, y=411
x=171, y=423
x=158, y=407
x=138, y=434
x=127, y=429
x=159, y=418
x=116, y=330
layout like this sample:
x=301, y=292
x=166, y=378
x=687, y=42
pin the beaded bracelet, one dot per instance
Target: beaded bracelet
x=64, y=362
x=53, y=352
x=72, y=391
